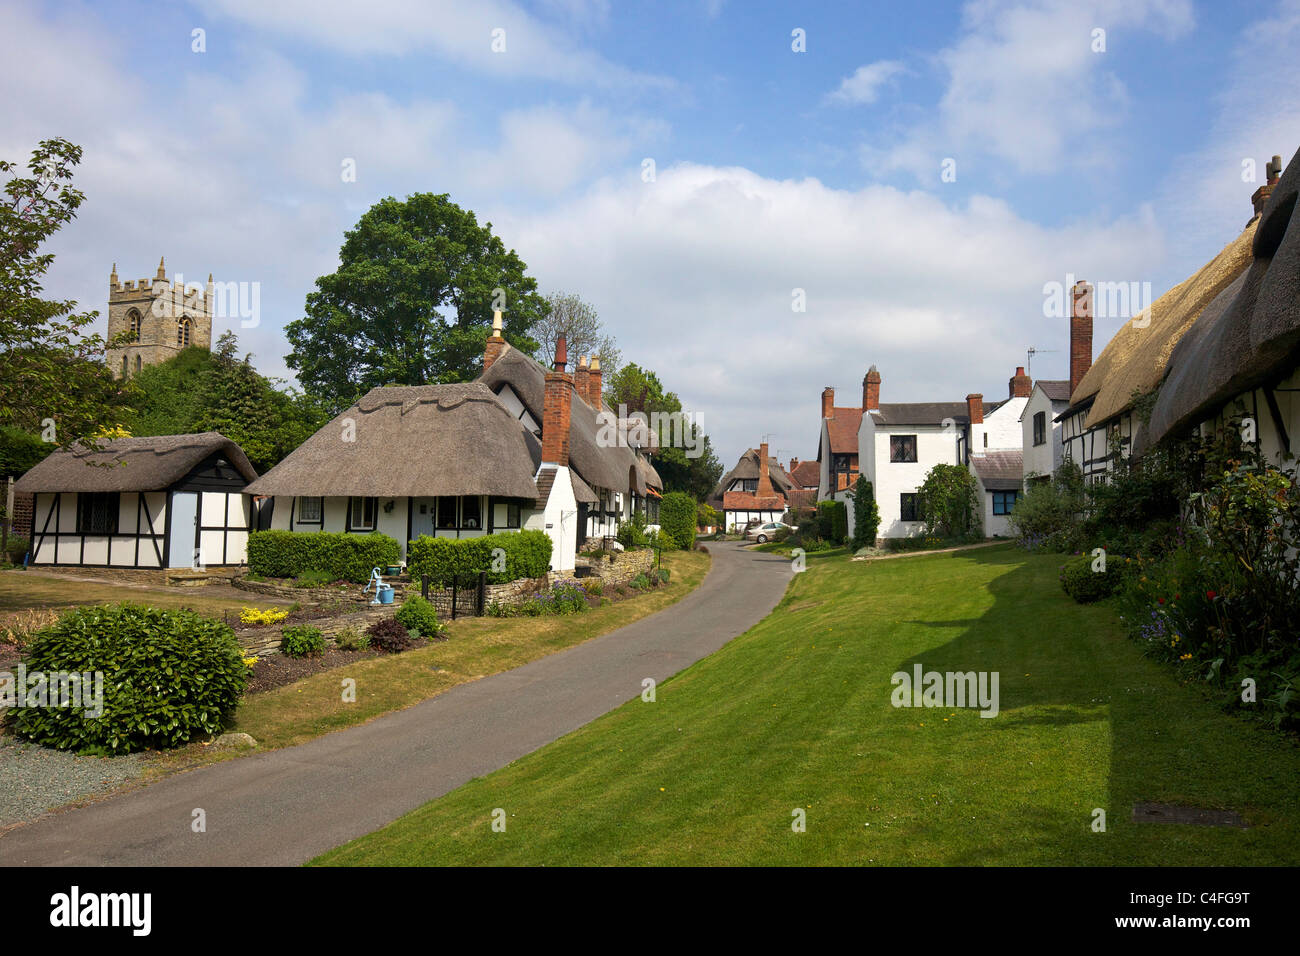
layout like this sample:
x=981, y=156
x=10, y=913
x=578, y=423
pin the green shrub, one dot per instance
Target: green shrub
x=527, y=555
x=640, y=582
x=168, y=676
x=950, y=504
x=595, y=586
x=301, y=640
x=677, y=515
x=313, y=579
x=342, y=556
x=660, y=541
x=832, y=521
x=866, y=514
x=350, y=639
x=1049, y=515
x=417, y=614
x=390, y=636
x=1084, y=584
x=631, y=533
x=663, y=575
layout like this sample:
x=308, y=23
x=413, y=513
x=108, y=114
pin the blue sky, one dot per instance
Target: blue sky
x=775, y=170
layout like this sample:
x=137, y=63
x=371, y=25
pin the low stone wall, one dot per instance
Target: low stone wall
x=261, y=641
x=511, y=592
x=354, y=592
x=625, y=566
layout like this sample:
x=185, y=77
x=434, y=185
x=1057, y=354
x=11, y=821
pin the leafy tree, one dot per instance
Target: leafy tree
x=949, y=499
x=410, y=303
x=218, y=391
x=677, y=518
x=707, y=516
x=576, y=320
x=52, y=369
x=640, y=390
x=866, y=514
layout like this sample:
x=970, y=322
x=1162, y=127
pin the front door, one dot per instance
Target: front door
x=422, y=513
x=184, y=530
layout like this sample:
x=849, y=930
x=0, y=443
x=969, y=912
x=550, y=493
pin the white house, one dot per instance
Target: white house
x=1040, y=431
x=172, y=501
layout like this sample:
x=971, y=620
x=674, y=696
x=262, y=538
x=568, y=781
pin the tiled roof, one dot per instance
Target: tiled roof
x=926, y=413
x=999, y=470
x=1057, y=391
x=842, y=427
x=748, y=501
x=807, y=474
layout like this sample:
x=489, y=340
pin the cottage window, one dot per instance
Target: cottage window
x=361, y=514
x=471, y=513
x=1004, y=501
x=124, y=366
x=909, y=507
x=97, y=513
x=310, y=510
x=512, y=514
x=1040, y=428
x=446, y=513
x=902, y=448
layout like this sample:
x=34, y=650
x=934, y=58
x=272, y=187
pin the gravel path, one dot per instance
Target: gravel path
x=34, y=779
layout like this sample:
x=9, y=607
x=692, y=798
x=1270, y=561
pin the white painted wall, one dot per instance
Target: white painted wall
x=934, y=445
x=1002, y=426
x=561, y=521
x=1042, y=459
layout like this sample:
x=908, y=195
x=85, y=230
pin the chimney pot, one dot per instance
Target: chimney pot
x=594, y=395
x=561, y=355
x=1020, y=384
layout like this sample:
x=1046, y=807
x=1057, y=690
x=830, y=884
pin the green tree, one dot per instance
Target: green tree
x=410, y=303
x=677, y=518
x=53, y=370
x=866, y=514
x=687, y=464
x=949, y=499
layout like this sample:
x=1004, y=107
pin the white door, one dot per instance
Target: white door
x=184, y=529
x=422, y=512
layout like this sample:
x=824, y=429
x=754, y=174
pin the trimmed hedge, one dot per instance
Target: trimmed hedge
x=349, y=557
x=168, y=676
x=1085, y=585
x=527, y=555
x=832, y=521
x=677, y=515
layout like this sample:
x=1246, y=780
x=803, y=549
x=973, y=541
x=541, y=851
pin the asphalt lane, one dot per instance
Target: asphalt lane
x=283, y=807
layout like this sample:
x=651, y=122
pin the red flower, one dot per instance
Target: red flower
x=1211, y=595
x=1160, y=600
x=1178, y=597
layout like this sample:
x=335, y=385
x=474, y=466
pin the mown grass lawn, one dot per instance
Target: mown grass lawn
x=23, y=590
x=796, y=713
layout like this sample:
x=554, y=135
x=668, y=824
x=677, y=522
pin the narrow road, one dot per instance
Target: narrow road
x=286, y=806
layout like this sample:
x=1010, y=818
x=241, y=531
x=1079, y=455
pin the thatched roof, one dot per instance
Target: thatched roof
x=1135, y=359
x=606, y=467
x=747, y=467
x=413, y=440
x=131, y=464
x=1250, y=334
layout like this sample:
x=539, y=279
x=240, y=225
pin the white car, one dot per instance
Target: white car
x=765, y=531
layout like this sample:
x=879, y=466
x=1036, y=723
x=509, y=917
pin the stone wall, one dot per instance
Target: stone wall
x=511, y=592
x=625, y=566
x=260, y=641
x=353, y=592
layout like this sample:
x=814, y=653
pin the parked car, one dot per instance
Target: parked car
x=764, y=531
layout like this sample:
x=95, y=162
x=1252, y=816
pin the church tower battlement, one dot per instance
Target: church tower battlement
x=156, y=319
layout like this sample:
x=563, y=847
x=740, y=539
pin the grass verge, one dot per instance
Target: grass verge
x=796, y=715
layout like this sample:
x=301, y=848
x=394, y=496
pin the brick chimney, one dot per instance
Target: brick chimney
x=496, y=343
x=556, y=409
x=975, y=408
x=1020, y=384
x=828, y=401
x=1080, y=333
x=764, y=479
x=595, y=396
x=871, y=391
x=1272, y=170
x=582, y=379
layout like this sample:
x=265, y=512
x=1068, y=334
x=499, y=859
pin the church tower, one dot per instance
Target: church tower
x=159, y=318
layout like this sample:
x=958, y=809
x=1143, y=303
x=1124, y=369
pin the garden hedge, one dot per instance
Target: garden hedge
x=527, y=555
x=677, y=513
x=350, y=557
x=832, y=521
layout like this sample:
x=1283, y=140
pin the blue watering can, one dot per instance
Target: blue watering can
x=383, y=592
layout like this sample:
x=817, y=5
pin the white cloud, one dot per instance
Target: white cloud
x=460, y=33
x=866, y=82
x=1024, y=86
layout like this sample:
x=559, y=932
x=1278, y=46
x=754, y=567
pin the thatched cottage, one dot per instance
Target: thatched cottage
x=520, y=448
x=173, y=501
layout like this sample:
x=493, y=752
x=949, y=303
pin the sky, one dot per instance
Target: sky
x=759, y=199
